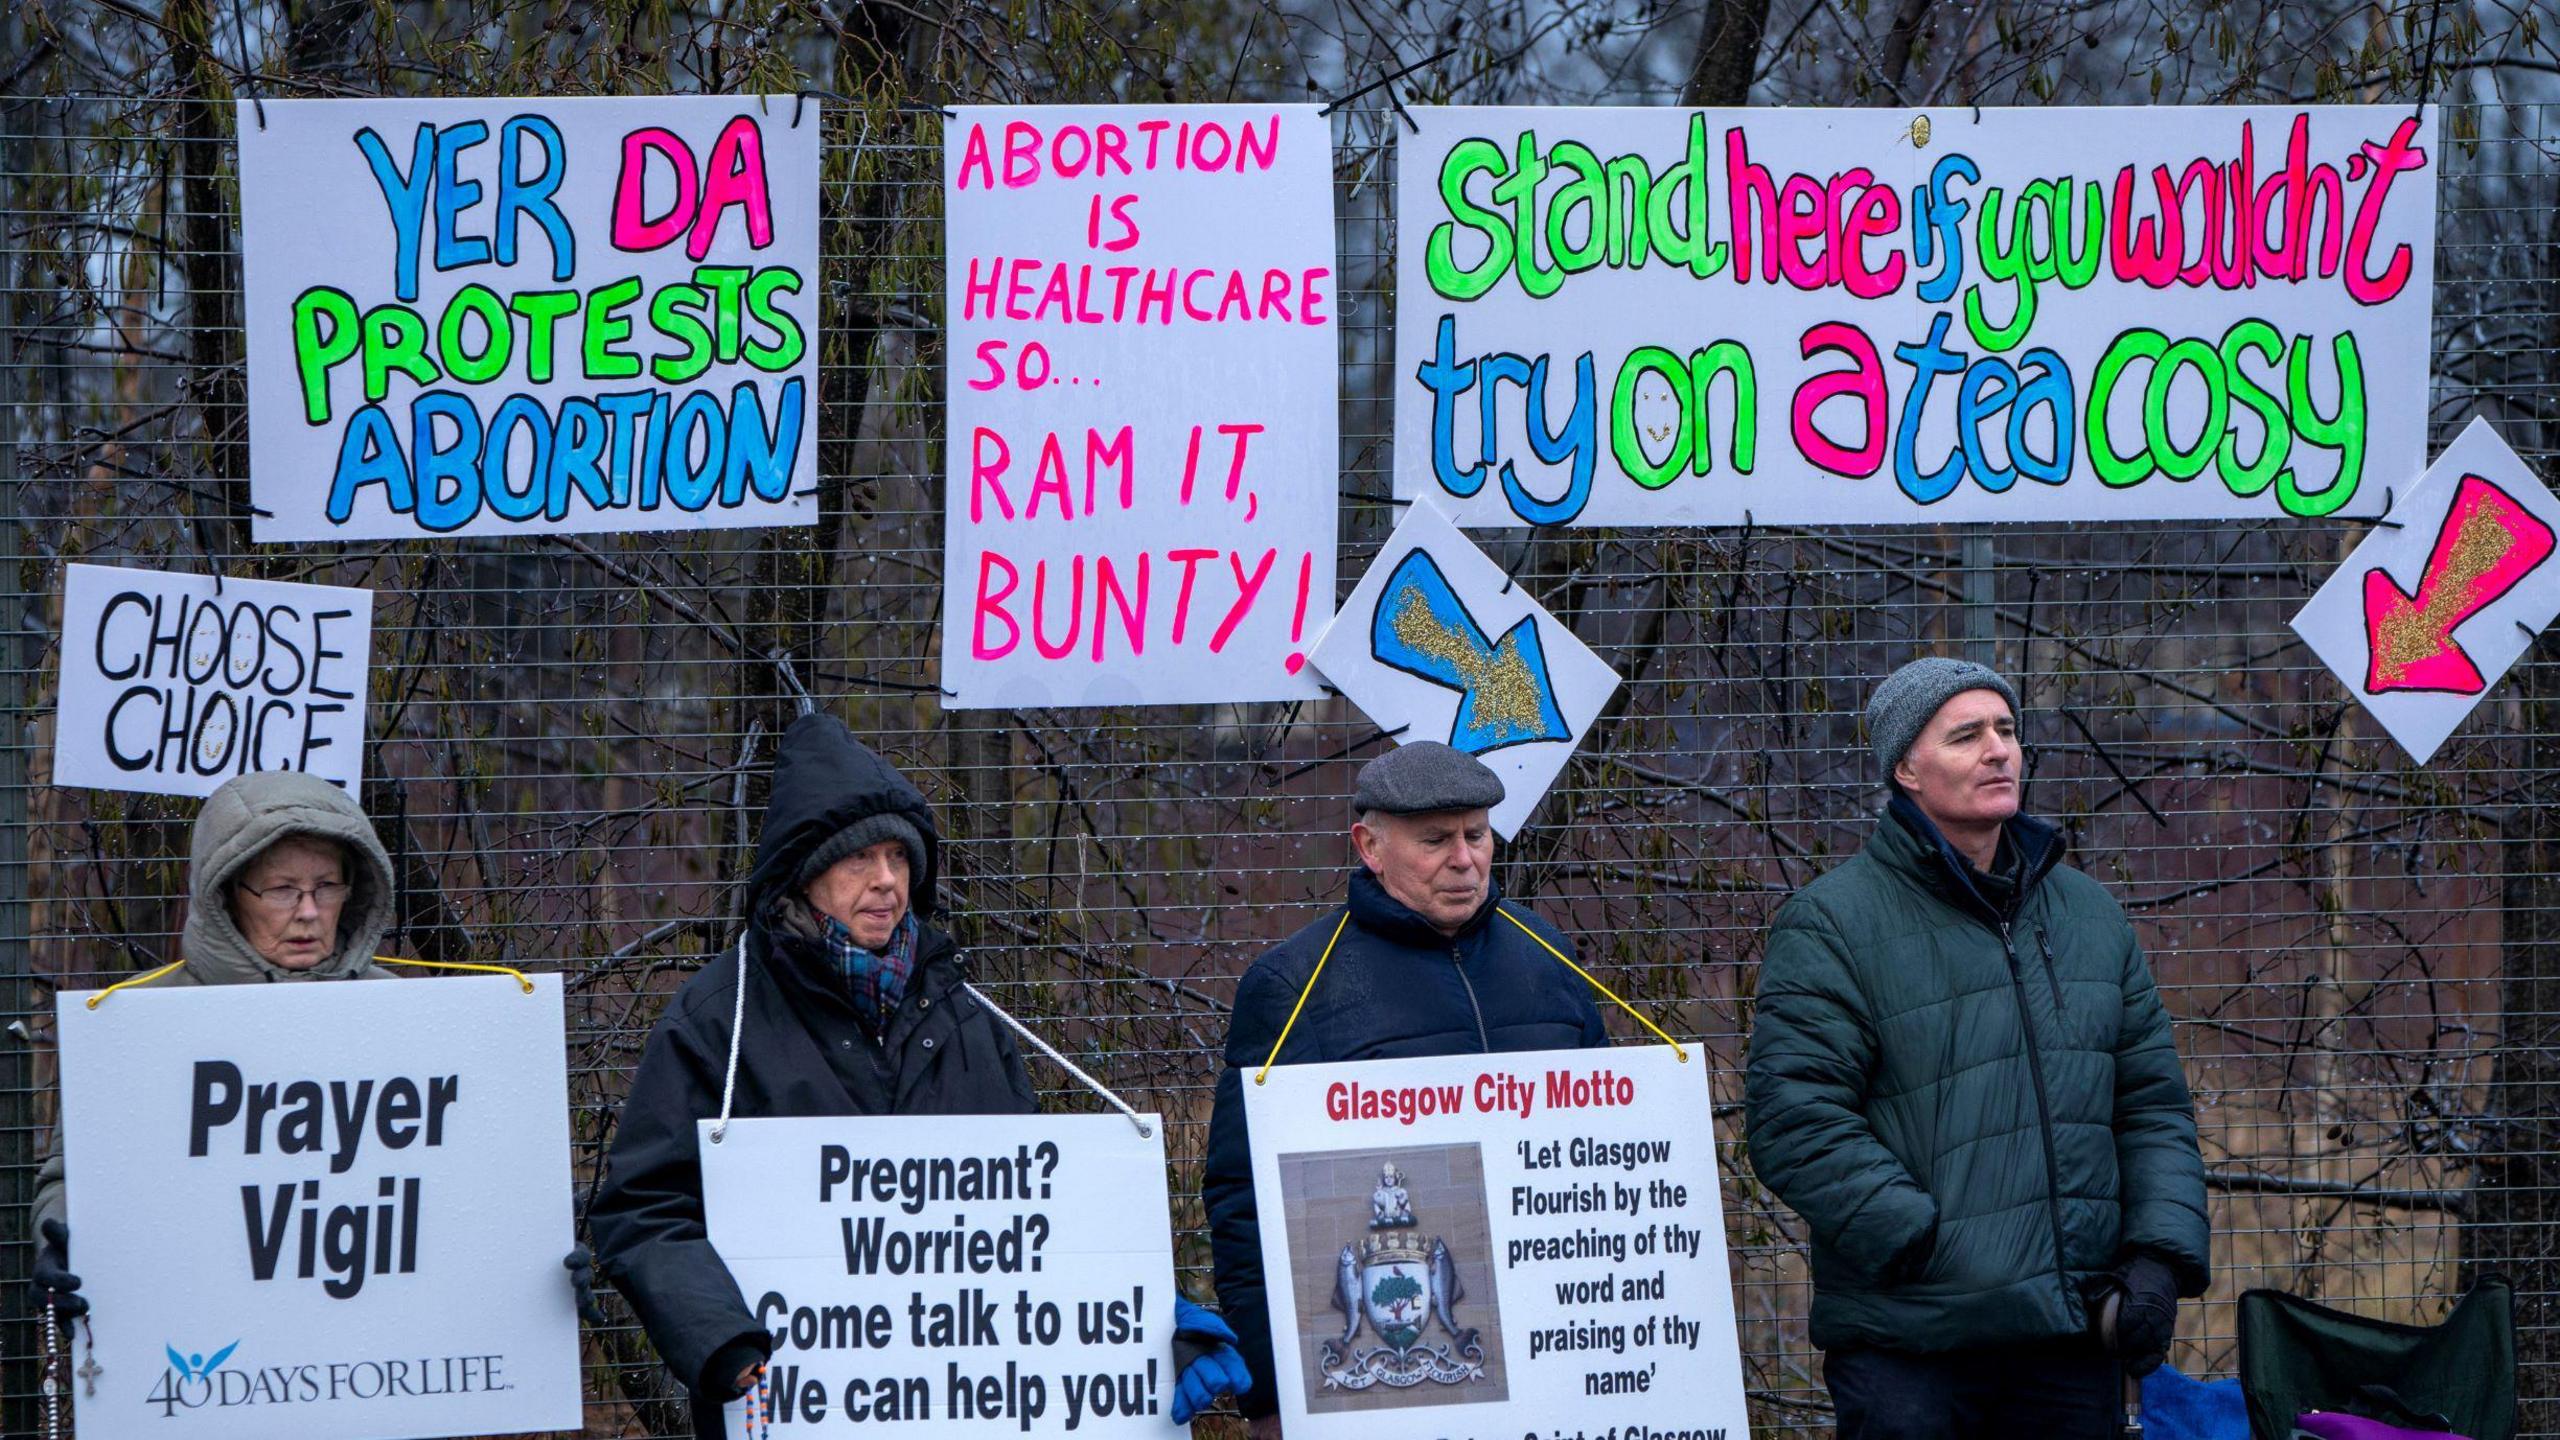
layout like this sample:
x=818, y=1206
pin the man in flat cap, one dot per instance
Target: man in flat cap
x=1963, y=1080
x=1428, y=961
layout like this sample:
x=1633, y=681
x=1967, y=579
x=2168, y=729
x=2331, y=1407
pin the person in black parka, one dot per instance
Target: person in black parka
x=854, y=1005
x=1432, y=961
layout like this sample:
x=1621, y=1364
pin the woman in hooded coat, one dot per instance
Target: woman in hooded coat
x=286, y=884
x=854, y=1004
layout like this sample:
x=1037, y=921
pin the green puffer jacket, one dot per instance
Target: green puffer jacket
x=1976, y=1123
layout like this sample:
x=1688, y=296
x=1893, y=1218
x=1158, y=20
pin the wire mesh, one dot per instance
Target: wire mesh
x=571, y=738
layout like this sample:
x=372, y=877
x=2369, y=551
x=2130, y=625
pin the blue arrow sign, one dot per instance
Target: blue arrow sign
x=1422, y=628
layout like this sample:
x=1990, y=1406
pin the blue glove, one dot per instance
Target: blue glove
x=1206, y=1361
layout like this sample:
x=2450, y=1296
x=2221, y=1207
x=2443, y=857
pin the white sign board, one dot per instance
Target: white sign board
x=172, y=684
x=529, y=315
x=1141, y=476
x=1899, y=316
x=1436, y=643
x=2432, y=610
x=333, y=1211
x=996, y=1275
x=1514, y=1244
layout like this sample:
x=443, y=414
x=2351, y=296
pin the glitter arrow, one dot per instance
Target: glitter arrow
x=1422, y=628
x=2487, y=545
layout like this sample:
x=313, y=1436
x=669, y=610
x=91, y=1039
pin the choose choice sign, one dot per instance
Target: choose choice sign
x=322, y=1210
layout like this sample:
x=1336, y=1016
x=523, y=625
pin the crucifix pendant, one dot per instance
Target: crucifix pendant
x=89, y=1372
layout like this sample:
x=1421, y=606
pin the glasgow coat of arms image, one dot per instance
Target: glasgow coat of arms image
x=1396, y=1285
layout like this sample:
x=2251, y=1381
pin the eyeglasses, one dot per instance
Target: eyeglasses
x=285, y=899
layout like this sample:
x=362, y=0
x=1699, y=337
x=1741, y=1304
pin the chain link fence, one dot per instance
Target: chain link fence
x=571, y=739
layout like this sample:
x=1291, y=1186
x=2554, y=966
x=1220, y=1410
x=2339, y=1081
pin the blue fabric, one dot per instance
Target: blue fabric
x=1220, y=1370
x=876, y=981
x=2175, y=1407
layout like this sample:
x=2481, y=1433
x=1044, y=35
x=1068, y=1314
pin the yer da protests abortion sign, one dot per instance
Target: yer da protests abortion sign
x=1655, y=317
x=172, y=684
x=994, y=1275
x=1481, y=1247
x=324, y=1211
x=513, y=316
x=1141, y=495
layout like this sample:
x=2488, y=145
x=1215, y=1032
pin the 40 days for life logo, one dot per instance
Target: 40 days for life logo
x=196, y=1380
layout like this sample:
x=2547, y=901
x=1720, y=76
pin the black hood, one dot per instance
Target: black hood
x=823, y=781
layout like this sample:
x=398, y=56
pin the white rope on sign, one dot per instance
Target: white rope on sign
x=1145, y=1130
x=737, y=1028
x=738, y=1023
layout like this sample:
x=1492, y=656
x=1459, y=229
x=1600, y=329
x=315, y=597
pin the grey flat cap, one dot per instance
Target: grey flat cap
x=1425, y=777
x=1902, y=705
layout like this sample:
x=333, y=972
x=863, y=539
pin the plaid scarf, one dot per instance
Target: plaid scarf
x=875, y=980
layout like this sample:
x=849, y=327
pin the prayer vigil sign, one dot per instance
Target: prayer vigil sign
x=1533, y=1241
x=325, y=1211
x=997, y=1275
x=529, y=315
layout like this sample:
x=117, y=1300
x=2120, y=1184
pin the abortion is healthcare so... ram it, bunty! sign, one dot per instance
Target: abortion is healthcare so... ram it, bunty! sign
x=1829, y=317
x=322, y=1212
x=528, y=315
x=1483, y=1247
x=988, y=1276
x=172, y=684
x=1144, y=382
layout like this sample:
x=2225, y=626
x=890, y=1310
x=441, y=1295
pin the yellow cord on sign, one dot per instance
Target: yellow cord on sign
x=458, y=965
x=1596, y=985
x=132, y=980
x=1274, y=1057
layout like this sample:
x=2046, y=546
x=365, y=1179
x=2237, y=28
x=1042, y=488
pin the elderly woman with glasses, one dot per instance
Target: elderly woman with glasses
x=286, y=882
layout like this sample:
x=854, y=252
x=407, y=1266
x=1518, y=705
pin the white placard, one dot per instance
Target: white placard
x=2432, y=610
x=172, y=684
x=995, y=1275
x=333, y=1211
x=1527, y=1244
x=529, y=315
x=1436, y=643
x=1900, y=316
x=1141, y=472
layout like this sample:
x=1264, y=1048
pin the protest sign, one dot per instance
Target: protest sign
x=998, y=1275
x=1141, y=496
x=171, y=684
x=1436, y=643
x=2432, y=609
x=1859, y=317
x=1518, y=1242
x=325, y=1211
x=529, y=315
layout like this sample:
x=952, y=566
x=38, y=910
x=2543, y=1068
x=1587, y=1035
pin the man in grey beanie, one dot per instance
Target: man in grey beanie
x=1424, y=958
x=1963, y=1080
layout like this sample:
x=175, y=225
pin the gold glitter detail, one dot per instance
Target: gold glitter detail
x=1507, y=694
x=2416, y=632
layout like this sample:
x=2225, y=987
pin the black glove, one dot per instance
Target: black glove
x=582, y=1281
x=718, y=1382
x=56, y=1286
x=2146, y=1313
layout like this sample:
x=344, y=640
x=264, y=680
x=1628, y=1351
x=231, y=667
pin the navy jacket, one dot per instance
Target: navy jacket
x=1395, y=988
